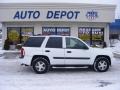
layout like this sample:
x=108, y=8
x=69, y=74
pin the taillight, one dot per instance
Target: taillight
x=22, y=53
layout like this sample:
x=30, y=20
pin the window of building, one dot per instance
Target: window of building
x=64, y=31
x=19, y=34
x=26, y=32
x=54, y=42
x=91, y=35
x=48, y=31
x=13, y=34
x=85, y=34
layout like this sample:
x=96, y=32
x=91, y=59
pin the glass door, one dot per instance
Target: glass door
x=97, y=36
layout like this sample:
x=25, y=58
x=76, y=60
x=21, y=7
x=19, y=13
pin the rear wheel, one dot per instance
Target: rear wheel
x=101, y=64
x=40, y=65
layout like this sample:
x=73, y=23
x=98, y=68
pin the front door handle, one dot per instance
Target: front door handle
x=69, y=52
x=47, y=50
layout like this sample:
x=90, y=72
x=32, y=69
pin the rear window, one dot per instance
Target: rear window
x=34, y=42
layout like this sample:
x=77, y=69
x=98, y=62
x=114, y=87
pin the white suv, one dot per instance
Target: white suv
x=43, y=52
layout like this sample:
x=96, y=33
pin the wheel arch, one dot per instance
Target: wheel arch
x=109, y=60
x=39, y=56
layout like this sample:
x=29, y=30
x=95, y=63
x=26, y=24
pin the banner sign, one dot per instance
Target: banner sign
x=49, y=14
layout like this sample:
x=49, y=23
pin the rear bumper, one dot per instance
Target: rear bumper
x=25, y=60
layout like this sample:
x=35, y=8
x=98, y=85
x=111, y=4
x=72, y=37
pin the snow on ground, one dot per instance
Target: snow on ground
x=13, y=76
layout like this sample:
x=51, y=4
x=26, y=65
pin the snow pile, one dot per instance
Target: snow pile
x=116, y=47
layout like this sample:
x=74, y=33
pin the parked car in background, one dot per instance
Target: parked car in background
x=43, y=52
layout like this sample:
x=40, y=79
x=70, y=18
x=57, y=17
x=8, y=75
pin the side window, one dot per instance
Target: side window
x=34, y=42
x=73, y=43
x=54, y=42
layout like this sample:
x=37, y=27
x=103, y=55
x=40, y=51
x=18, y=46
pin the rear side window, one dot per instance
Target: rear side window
x=34, y=42
x=54, y=42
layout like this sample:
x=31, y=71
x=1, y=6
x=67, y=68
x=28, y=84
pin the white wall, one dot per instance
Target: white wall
x=105, y=13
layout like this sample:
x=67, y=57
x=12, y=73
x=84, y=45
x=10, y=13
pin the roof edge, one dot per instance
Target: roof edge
x=3, y=5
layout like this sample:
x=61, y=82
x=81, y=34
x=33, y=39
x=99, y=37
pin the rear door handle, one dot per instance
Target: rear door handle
x=47, y=50
x=69, y=52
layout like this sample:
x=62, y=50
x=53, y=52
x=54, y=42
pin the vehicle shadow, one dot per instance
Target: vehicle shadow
x=70, y=70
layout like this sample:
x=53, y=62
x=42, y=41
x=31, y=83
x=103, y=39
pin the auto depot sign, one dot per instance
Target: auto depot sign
x=56, y=14
x=49, y=15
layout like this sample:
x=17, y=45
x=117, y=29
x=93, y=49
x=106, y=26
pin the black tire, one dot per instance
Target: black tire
x=91, y=67
x=40, y=65
x=101, y=64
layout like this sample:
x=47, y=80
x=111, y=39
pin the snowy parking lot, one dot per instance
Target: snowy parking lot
x=13, y=76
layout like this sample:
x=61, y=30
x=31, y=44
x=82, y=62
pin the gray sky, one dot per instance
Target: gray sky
x=116, y=2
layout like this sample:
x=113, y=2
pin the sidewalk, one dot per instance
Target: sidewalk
x=9, y=54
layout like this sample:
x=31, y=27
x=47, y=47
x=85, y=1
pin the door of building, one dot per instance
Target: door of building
x=91, y=35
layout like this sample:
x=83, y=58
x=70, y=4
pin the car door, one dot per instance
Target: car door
x=54, y=50
x=76, y=52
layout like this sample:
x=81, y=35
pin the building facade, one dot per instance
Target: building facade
x=90, y=22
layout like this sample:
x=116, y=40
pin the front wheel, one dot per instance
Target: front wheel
x=101, y=64
x=40, y=65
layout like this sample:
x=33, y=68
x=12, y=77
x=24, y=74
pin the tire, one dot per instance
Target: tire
x=101, y=64
x=91, y=67
x=40, y=65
